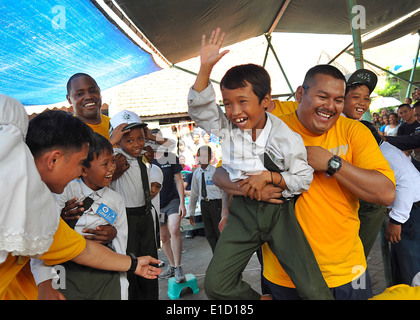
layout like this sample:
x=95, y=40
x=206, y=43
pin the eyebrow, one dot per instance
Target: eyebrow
x=326, y=93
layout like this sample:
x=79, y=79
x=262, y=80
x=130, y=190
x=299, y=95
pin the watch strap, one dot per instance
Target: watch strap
x=134, y=262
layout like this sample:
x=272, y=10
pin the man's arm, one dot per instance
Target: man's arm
x=98, y=256
x=269, y=193
x=179, y=182
x=405, y=142
x=369, y=185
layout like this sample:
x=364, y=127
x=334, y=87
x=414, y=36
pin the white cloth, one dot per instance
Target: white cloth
x=407, y=179
x=28, y=217
x=213, y=191
x=242, y=156
x=130, y=185
x=90, y=220
x=156, y=175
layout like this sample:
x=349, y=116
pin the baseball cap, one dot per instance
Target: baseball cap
x=129, y=117
x=362, y=76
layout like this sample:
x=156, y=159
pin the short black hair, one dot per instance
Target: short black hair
x=98, y=145
x=57, y=129
x=404, y=105
x=236, y=77
x=325, y=69
x=75, y=76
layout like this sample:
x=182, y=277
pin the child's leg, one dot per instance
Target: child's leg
x=288, y=242
x=210, y=212
x=236, y=245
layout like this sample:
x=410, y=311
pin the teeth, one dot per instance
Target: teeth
x=89, y=104
x=360, y=110
x=324, y=114
x=239, y=120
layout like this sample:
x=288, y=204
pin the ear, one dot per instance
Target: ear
x=68, y=99
x=299, y=93
x=84, y=171
x=266, y=101
x=53, y=157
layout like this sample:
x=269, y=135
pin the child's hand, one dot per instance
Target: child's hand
x=209, y=54
x=192, y=222
x=253, y=185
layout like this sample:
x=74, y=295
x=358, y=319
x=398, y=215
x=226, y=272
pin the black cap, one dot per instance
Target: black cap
x=363, y=76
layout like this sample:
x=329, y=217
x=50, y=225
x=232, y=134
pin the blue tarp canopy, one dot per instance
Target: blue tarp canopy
x=43, y=43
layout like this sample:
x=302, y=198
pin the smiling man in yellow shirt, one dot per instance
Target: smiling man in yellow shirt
x=348, y=165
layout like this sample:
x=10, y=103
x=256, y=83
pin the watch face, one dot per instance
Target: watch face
x=334, y=164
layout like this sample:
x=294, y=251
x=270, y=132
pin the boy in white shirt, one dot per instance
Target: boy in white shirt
x=134, y=186
x=81, y=282
x=209, y=194
x=258, y=149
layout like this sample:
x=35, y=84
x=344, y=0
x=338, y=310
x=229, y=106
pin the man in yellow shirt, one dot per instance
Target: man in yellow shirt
x=59, y=144
x=348, y=165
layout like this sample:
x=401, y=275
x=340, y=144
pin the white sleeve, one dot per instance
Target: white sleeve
x=206, y=113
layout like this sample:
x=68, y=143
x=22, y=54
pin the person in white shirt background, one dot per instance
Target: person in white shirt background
x=209, y=194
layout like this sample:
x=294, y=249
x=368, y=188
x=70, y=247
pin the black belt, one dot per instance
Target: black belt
x=207, y=199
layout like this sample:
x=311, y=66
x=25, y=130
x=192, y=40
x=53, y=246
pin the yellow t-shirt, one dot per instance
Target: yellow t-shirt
x=328, y=212
x=103, y=127
x=16, y=280
x=399, y=292
x=284, y=107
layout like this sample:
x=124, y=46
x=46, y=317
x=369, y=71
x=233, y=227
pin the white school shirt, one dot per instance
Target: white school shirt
x=90, y=220
x=241, y=156
x=407, y=180
x=213, y=191
x=130, y=185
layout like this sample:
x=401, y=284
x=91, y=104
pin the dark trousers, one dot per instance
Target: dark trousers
x=141, y=242
x=405, y=255
x=85, y=283
x=250, y=223
x=371, y=217
x=211, y=211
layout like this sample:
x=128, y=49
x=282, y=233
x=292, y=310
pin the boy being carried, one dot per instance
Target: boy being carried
x=254, y=142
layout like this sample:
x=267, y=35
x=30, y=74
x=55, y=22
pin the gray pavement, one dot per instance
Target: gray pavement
x=197, y=255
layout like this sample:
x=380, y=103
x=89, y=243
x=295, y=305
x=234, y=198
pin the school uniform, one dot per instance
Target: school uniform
x=141, y=227
x=251, y=223
x=210, y=202
x=82, y=282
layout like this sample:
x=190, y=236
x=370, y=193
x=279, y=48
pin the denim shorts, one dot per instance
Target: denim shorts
x=171, y=208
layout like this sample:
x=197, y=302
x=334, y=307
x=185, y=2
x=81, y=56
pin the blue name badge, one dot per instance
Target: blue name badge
x=107, y=213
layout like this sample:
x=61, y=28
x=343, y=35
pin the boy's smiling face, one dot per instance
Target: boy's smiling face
x=133, y=142
x=356, y=102
x=100, y=172
x=243, y=107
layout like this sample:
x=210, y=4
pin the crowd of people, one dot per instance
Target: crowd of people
x=307, y=185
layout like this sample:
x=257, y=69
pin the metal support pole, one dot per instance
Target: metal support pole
x=357, y=38
x=268, y=37
x=414, y=69
x=357, y=47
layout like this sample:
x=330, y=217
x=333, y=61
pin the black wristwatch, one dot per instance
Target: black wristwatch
x=134, y=262
x=334, y=164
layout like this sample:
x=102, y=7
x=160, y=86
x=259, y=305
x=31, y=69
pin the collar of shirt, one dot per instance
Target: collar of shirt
x=88, y=192
x=245, y=136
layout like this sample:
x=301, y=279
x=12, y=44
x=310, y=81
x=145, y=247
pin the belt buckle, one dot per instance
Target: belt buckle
x=206, y=199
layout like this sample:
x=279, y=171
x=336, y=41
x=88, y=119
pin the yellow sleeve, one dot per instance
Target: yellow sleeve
x=67, y=244
x=369, y=155
x=399, y=292
x=284, y=107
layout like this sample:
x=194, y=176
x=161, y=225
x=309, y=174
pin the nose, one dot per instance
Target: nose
x=236, y=109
